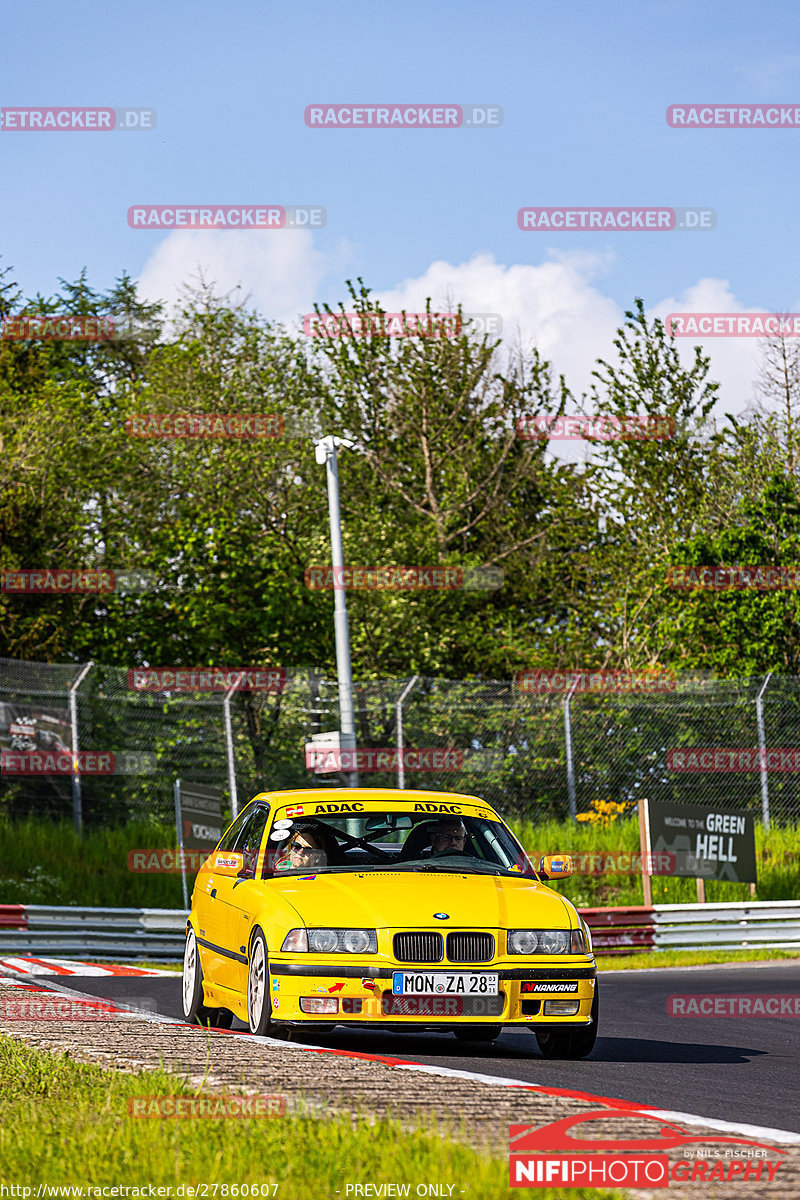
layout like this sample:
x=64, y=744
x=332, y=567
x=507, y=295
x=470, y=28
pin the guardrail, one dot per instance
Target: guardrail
x=761, y=924
x=157, y=933
x=33, y=930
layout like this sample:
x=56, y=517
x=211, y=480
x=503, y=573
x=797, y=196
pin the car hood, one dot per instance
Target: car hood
x=401, y=900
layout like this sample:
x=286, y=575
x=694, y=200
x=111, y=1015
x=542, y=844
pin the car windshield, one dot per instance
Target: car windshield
x=398, y=841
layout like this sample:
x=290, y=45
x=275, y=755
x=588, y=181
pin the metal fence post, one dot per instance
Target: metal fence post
x=226, y=711
x=762, y=752
x=401, y=766
x=573, y=806
x=77, y=798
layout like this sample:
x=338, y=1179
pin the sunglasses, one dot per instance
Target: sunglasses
x=299, y=848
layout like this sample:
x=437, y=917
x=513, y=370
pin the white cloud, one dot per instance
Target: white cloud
x=556, y=305
x=280, y=272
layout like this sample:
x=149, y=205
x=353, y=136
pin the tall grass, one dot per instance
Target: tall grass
x=47, y=863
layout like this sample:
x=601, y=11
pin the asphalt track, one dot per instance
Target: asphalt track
x=742, y=1069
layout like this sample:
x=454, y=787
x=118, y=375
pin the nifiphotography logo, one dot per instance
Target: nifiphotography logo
x=670, y=1156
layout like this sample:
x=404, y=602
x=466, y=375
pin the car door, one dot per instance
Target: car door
x=211, y=915
x=233, y=902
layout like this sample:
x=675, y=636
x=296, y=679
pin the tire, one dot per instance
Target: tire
x=194, y=1010
x=571, y=1043
x=478, y=1033
x=258, y=995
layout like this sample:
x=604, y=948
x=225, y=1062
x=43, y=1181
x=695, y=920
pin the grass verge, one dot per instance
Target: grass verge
x=65, y=1123
x=688, y=958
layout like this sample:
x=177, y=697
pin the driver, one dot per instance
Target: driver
x=448, y=834
x=305, y=849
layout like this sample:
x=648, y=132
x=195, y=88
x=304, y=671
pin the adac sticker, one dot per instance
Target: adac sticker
x=356, y=806
x=438, y=808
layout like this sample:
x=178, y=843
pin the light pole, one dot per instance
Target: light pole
x=326, y=455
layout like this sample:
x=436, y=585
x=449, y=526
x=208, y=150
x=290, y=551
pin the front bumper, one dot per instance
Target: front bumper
x=363, y=995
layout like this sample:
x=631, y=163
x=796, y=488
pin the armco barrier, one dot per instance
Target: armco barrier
x=157, y=933
x=760, y=925
x=620, y=930
x=110, y=933
x=12, y=916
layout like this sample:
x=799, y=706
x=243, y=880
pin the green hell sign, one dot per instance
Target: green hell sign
x=695, y=840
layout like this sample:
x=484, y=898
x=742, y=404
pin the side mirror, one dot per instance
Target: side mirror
x=555, y=866
x=226, y=863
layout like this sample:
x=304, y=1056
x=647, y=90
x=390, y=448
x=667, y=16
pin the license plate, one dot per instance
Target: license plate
x=442, y=983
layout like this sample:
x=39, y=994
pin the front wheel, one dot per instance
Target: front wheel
x=258, y=1002
x=194, y=1010
x=571, y=1043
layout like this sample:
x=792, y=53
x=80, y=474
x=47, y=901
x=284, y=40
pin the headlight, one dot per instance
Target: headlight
x=541, y=941
x=343, y=941
x=322, y=941
x=357, y=941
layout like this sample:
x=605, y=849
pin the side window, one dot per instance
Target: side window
x=248, y=842
x=229, y=839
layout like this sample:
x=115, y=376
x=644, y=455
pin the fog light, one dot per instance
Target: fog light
x=319, y=1005
x=558, y=1008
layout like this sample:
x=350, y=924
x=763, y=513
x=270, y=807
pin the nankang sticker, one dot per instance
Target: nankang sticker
x=530, y=986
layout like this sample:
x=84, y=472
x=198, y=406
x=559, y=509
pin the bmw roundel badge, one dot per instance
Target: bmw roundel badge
x=442, y=916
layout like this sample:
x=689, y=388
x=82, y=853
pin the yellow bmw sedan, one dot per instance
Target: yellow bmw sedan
x=386, y=908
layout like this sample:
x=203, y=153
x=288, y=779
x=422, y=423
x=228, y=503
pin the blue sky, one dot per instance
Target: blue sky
x=584, y=89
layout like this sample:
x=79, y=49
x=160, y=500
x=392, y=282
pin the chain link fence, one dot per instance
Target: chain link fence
x=533, y=754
